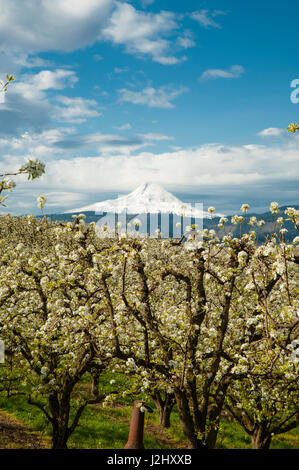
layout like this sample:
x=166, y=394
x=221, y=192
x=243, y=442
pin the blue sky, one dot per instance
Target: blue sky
x=109, y=94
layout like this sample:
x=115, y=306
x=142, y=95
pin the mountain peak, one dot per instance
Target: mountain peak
x=148, y=197
x=149, y=186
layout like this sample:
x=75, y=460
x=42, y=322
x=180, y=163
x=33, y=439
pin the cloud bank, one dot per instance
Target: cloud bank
x=241, y=173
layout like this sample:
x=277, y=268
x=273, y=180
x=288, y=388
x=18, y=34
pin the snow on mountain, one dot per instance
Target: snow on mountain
x=147, y=198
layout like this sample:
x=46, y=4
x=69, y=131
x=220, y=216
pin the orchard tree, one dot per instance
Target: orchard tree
x=164, y=402
x=172, y=316
x=52, y=317
x=265, y=406
x=183, y=316
x=263, y=398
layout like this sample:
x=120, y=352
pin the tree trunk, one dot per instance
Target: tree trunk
x=214, y=417
x=164, y=419
x=95, y=384
x=212, y=438
x=261, y=438
x=60, y=410
x=186, y=420
x=164, y=407
x=60, y=436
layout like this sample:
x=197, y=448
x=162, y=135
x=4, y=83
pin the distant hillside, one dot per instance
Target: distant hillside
x=262, y=232
x=90, y=217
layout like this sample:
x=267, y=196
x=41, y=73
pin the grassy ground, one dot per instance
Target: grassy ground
x=232, y=436
x=107, y=428
x=15, y=435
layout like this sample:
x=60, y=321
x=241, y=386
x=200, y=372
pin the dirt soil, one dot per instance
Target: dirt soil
x=15, y=435
x=163, y=437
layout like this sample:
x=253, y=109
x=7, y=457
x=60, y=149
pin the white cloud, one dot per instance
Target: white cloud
x=155, y=136
x=204, y=18
x=142, y=32
x=237, y=173
x=207, y=165
x=40, y=144
x=124, y=127
x=109, y=144
x=210, y=169
x=30, y=103
x=32, y=86
x=145, y=3
x=33, y=26
x=62, y=198
x=76, y=109
x=50, y=142
x=271, y=132
x=38, y=25
x=235, y=71
x=120, y=70
x=28, y=62
x=21, y=113
x=13, y=61
x=154, y=98
x=55, y=143
x=186, y=40
x=97, y=57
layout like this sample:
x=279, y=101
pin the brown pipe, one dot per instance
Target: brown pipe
x=135, y=440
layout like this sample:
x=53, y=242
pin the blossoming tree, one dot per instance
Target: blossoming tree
x=208, y=320
x=52, y=316
x=185, y=315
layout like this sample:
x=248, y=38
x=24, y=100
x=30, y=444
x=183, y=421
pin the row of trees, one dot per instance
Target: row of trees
x=210, y=324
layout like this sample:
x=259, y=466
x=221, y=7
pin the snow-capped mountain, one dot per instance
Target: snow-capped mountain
x=147, y=198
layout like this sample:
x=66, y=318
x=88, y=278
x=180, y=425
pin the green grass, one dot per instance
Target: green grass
x=98, y=428
x=27, y=414
x=289, y=440
x=232, y=436
x=108, y=428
